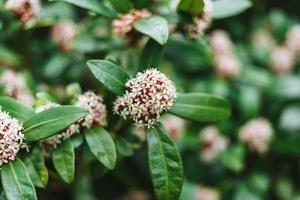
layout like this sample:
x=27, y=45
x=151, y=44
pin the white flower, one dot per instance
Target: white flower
x=123, y=26
x=282, y=60
x=15, y=86
x=147, y=96
x=11, y=137
x=293, y=39
x=63, y=34
x=173, y=125
x=206, y=193
x=257, y=133
x=202, y=22
x=97, y=109
x=25, y=9
x=226, y=63
x=213, y=143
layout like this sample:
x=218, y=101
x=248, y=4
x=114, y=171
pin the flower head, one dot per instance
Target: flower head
x=11, y=137
x=97, y=109
x=15, y=86
x=282, y=60
x=206, y=193
x=63, y=34
x=213, y=143
x=123, y=26
x=25, y=9
x=293, y=39
x=147, y=96
x=201, y=22
x=174, y=126
x=257, y=134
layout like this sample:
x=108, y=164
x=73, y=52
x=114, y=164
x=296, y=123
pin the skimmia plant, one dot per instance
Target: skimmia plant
x=42, y=135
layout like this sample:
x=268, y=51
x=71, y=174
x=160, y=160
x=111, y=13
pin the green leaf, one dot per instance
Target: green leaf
x=64, y=161
x=155, y=27
x=16, y=182
x=15, y=108
x=92, y=5
x=151, y=55
x=165, y=164
x=228, y=8
x=56, y=66
x=123, y=146
x=110, y=75
x=194, y=7
x=123, y=6
x=102, y=146
x=201, y=107
x=51, y=121
x=37, y=169
x=249, y=102
x=290, y=119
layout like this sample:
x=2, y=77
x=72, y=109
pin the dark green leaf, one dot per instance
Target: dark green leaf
x=194, y=7
x=151, y=55
x=155, y=27
x=109, y=74
x=64, y=161
x=249, y=102
x=228, y=8
x=201, y=107
x=15, y=108
x=51, y=121
x=92, y=5
x=123, y=6
x=165, y=164
x=36, y=167
x=16, y=182
x=123, y=146
x=102, y=146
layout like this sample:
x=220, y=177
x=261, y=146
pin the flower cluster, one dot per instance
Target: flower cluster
x=25, y=9
x=11, y=137
x=97, y=116
x=123, y=26
x=226, y=62
x=213, y=143
x=147, y=96
x=15, y=86
x=174, y=126
x=257, y=134
x=201, y=22
x=283, y=58
x=63, y=34
x=206, y=193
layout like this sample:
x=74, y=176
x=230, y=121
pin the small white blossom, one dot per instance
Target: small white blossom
x=201, y=22
x=11, y=137
x=226, y=63
x=293, y=39
x=15, y=86
x=173, y=125
x=206, y=193
x=63, y=34
x=257, y=134
x=123, y=26
x=147, y=96
x=282, y=60
x=97, y=109
x=213, y=143
x=25, y=9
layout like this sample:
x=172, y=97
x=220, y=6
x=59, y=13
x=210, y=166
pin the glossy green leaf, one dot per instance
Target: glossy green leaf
x=102, y=146
x=151, y=55
x=165, y=164
x=123, y=6
x=92, y=5
x=16, y=182
x=228, y=8
x=15, y=108
x=123, y=146
x=194, y=7
x=110, y=75
x=36, y=167
x=155, y=27
x=64, y=161
x=201, y=107
x=249, y=102
x=51, y=121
